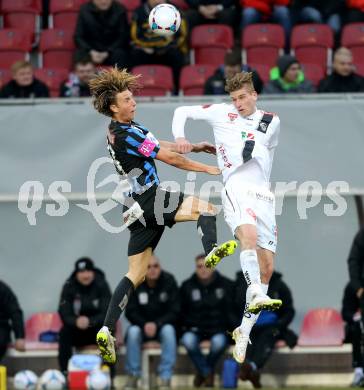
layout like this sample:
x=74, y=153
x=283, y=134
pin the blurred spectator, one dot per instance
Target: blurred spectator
x=77, y=83
x=102, y=31
x=320, y=11
x=84, y=300
x=287, y=77
x=153, y=311
x=354, y=332
x=11, y=319
x=342, y=78
x=354, y=11
x=23, y=84
x=270, y=327
x=210, y=11
x=356, y=266
x=274, y=11
x=215, y=85
x=207, y=314
x=150, y=48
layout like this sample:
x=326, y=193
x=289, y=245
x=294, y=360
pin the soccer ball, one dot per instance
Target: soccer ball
x=52, y=380
x=25, y=380
x=164, y=19
x=98, y=380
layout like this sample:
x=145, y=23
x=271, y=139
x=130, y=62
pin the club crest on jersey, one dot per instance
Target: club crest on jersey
x=263, y=127
x=247, y=136
x=232, y=116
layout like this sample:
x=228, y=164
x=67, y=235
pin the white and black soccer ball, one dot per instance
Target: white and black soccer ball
x=164, y=19
x=52, y=380
x=25, y=380
x=98, y=380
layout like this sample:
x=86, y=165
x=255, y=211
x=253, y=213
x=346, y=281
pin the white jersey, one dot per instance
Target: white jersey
x=244, y=145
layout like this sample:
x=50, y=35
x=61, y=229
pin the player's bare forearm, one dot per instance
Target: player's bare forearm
x=171, y=146
x=181, y=162
x=195, y=148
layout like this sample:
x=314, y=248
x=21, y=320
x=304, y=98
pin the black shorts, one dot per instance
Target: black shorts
x=160, y=208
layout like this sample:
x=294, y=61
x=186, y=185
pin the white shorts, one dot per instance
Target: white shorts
x=246, y=204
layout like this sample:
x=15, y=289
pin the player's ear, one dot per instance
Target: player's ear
x=114, y=108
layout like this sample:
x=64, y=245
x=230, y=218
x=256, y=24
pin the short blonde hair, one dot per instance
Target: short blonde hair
x=107, y=84
x=20, y=65
x=239, y=81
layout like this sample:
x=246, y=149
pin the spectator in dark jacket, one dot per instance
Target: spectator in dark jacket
x=150, y=48
x=11, y=319
x=102, y=31
x=288, y=77
x=23, y=84
x=354, y=11
x=206, y=309
x=77, y=83
x=83, y=304
x=320, y=11
x=354, y=332
x=270, y=327
x=153, y=312
x=356, y=266
x=211, y=11
x=215, y=85
x=343, y=78
x=275, y=11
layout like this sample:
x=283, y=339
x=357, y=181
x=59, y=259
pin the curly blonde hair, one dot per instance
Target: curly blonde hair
x=107, y=84
x=239, y=81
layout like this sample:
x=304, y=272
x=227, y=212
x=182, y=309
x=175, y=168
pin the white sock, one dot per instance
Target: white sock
x=250, y=266
x=265, y=288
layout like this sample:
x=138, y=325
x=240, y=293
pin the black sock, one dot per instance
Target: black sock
x=206, y=226
x=118, y=302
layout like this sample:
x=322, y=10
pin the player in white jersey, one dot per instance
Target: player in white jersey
x=245, y=140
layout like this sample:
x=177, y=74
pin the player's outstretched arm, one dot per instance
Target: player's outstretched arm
x=179, y=161
x=204, y=146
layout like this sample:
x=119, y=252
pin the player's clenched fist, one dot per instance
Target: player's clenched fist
x=213, y=170
x=183, y=145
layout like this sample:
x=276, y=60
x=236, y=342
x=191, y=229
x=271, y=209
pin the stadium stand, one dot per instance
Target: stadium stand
x=193, y=78
x=209, y=43
x=157, y=80
x=322, y=327
x=353, y=38
x=53, y=78
x=262, y=69
x=313, y=43
x=56, y=49
x=131, y=6
x=15, y=45
x=262, y=43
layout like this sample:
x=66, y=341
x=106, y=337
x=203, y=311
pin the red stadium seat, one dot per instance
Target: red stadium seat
x=131, y=6
x=209, y=43
x=359, y=69
x=157, y=80
x=193, y=78
x=322, y=327
x=313, y=72
x=352, y=37
x=34, y=6
x=262, y=43
x=53, y=78
x=15, y=45
x=56, y=48
x=312, y=44
x=263, y=71
x=180, y=4
x=63, y=14
x=38, y=323
x=5, y=77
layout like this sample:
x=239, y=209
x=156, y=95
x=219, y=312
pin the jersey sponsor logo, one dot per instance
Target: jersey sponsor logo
x=262, y=127
x=246, y=135
x=206, y=106
x=146, y=148
x=232, y=116
x=222, y=151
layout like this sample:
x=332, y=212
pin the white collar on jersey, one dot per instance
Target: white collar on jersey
x=251, y=116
